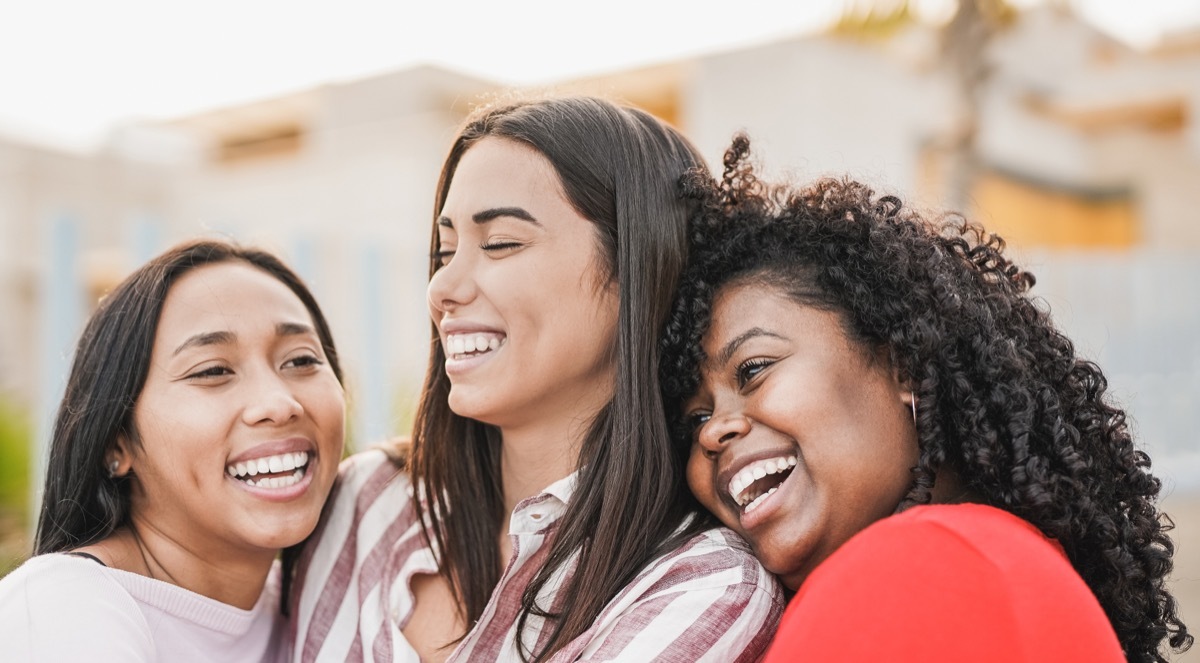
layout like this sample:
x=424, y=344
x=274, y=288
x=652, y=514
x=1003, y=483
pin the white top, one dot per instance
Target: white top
x=708, y=600
x=57, y=608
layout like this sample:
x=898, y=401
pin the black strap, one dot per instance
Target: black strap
x=88, y=556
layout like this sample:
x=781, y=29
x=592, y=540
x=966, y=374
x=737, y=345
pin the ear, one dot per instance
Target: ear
x=904, y=388
x=119, y=459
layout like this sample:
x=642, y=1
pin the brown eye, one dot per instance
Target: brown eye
x=303, y=361
x=750, y=369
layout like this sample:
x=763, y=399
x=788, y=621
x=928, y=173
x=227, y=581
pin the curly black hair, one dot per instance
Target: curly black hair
x=1003, y=400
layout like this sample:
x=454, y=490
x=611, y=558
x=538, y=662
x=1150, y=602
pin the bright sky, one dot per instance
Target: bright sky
x=71, y=69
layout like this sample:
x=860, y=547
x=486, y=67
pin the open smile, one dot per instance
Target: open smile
x=475, y=344
x=278, y=471
x=758, y=480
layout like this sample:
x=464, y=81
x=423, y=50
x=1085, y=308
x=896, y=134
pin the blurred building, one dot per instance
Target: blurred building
x=1087, y=153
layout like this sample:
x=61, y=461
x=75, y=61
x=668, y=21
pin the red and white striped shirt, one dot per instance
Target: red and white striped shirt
x=708, y=600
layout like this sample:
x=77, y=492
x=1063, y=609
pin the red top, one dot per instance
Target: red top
x=962, y=582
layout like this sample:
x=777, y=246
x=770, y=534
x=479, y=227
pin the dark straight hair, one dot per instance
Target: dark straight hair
x=620, y=168
x=80, y=503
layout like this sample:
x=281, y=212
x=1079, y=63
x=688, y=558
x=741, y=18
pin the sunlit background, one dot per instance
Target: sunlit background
x=317, y=130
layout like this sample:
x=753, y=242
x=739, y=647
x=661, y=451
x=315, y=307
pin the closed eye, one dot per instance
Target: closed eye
x=209, y=373
x=440, y=257
x=493, y=247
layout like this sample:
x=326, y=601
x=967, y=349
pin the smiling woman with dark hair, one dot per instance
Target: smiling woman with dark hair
x=877, y=404
x=198, y=437
x=542, y=513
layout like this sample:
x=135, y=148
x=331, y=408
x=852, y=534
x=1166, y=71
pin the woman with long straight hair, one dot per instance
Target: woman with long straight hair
x=198, y=437
x=540, y=513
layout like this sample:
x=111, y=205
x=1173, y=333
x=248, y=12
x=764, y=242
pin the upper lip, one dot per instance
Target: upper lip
x=726, y=475
x=274, y=448
x=448, y=327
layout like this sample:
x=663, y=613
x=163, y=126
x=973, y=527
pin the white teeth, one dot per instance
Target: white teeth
x=462, y=344
x=753, y=472
x=277, y=482
x=285, y=462
x=758, y=500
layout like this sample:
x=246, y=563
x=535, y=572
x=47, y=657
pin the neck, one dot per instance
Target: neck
x=232, y=577
x=536, y=455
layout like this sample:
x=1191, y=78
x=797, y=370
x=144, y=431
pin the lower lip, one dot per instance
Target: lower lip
x=460, y=366
x=285, y=494
x=767, y=507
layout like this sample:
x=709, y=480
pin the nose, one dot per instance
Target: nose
x=451, y=286
x=272, y=402
x=722, y=429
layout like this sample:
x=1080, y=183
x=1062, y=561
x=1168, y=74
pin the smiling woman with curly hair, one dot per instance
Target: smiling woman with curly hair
x=874, y=400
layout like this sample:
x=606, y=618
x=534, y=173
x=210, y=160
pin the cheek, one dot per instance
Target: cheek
x=699, y=479
x=326, y=405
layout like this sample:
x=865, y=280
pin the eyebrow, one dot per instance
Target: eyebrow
x=494, y=213
x=731, y=347
x=227, y=337
x=293, y=329
x=207, y=338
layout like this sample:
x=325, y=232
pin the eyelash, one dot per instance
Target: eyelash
x=210, y=372
x=309, y=360
x=439, y=258
x=221, y=371
x=499, y=246
x=743, y=369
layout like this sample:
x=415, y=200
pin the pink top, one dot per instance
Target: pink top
x=961, y=582
x=57, y=608
x=709, y=600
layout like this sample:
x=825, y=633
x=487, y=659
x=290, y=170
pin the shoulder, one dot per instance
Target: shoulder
x=375, y=466
x=370, y=516
x=716, y=557
x=953, y=542
x=372, y=494
x=709, y=599
x=55, y=594
x=369, y=480
x=52, y=579
x=950, y=579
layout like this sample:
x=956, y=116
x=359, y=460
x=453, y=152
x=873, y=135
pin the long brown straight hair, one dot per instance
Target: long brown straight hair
x=620, y=168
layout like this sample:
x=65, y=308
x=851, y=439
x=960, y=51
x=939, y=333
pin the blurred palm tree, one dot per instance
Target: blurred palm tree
x=963, y=42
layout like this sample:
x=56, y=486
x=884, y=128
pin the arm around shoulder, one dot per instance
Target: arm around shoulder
x=61, y=608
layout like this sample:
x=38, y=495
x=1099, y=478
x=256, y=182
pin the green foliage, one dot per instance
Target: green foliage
x=16, y=440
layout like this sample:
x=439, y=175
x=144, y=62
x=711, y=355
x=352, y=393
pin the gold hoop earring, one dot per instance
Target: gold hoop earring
x=913, y=403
